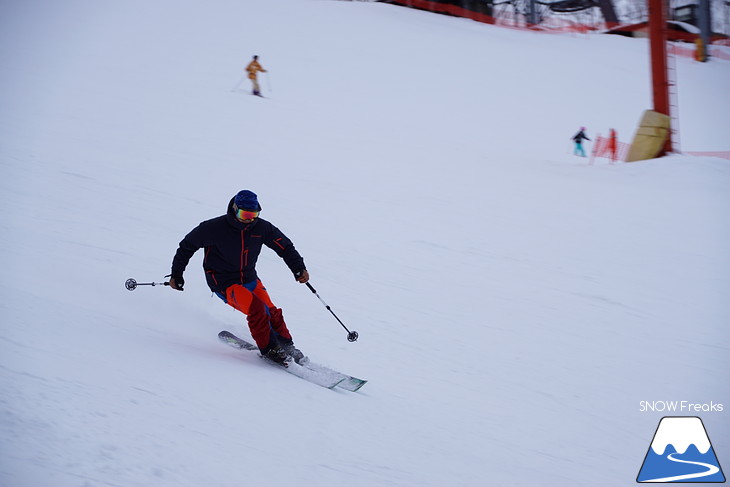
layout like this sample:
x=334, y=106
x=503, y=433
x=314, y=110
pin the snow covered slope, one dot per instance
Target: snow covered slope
x=514, y=304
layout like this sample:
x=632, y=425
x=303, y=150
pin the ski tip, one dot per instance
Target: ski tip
x=352, y=384
x=335, y=385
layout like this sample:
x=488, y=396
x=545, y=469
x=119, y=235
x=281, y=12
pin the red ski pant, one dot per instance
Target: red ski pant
x=261, y=314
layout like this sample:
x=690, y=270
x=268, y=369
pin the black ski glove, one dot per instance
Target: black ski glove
x=177, y=282
x=302, y=276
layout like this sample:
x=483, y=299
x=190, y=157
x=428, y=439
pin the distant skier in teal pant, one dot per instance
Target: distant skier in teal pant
x=578, y=139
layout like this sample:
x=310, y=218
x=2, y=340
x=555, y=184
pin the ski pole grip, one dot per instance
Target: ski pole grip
x=311, y=288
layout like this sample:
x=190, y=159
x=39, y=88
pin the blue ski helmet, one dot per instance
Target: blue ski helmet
x=247, y=200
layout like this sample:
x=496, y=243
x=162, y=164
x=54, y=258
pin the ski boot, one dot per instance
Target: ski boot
x=277, y=355
x=295, y=353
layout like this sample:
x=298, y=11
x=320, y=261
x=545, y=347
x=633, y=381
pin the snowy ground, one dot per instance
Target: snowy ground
x=515, y=305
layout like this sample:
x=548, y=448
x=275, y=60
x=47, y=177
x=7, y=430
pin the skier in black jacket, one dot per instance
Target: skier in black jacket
x=232, y=244
x=578, y=139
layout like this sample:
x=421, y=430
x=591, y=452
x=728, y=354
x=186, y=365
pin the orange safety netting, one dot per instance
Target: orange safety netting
x=609, y=148
x=720, y=154
x=617, y=151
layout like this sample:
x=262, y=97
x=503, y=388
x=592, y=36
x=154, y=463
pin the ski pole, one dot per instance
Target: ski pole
x=235, y=88
x=351, y=335
x=268, y=82
x=131, y=284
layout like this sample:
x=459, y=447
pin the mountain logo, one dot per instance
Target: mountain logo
x=681, y=452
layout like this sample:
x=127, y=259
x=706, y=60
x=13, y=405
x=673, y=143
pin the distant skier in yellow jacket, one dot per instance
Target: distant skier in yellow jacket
x=253, y=69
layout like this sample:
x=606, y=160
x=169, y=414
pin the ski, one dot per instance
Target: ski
x=325, y=380
x=315, y=373
x=247, y=92
x=348, y=383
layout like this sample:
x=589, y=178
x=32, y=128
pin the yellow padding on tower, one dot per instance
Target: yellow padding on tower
x=650, y=137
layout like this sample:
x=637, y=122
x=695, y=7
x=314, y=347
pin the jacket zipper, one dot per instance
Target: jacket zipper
x=244, y=256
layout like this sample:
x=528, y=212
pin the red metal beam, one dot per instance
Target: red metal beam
x=658, y=48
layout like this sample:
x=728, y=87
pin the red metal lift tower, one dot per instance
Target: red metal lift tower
x=659, y=72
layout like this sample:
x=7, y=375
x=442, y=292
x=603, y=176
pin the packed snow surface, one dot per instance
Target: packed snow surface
x=515, y=304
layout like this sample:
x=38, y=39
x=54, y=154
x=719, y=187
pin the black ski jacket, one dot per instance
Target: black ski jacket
x=232, y=249
x=578, y=138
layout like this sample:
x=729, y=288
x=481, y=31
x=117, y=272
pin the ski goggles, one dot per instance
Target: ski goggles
x=242, y=214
